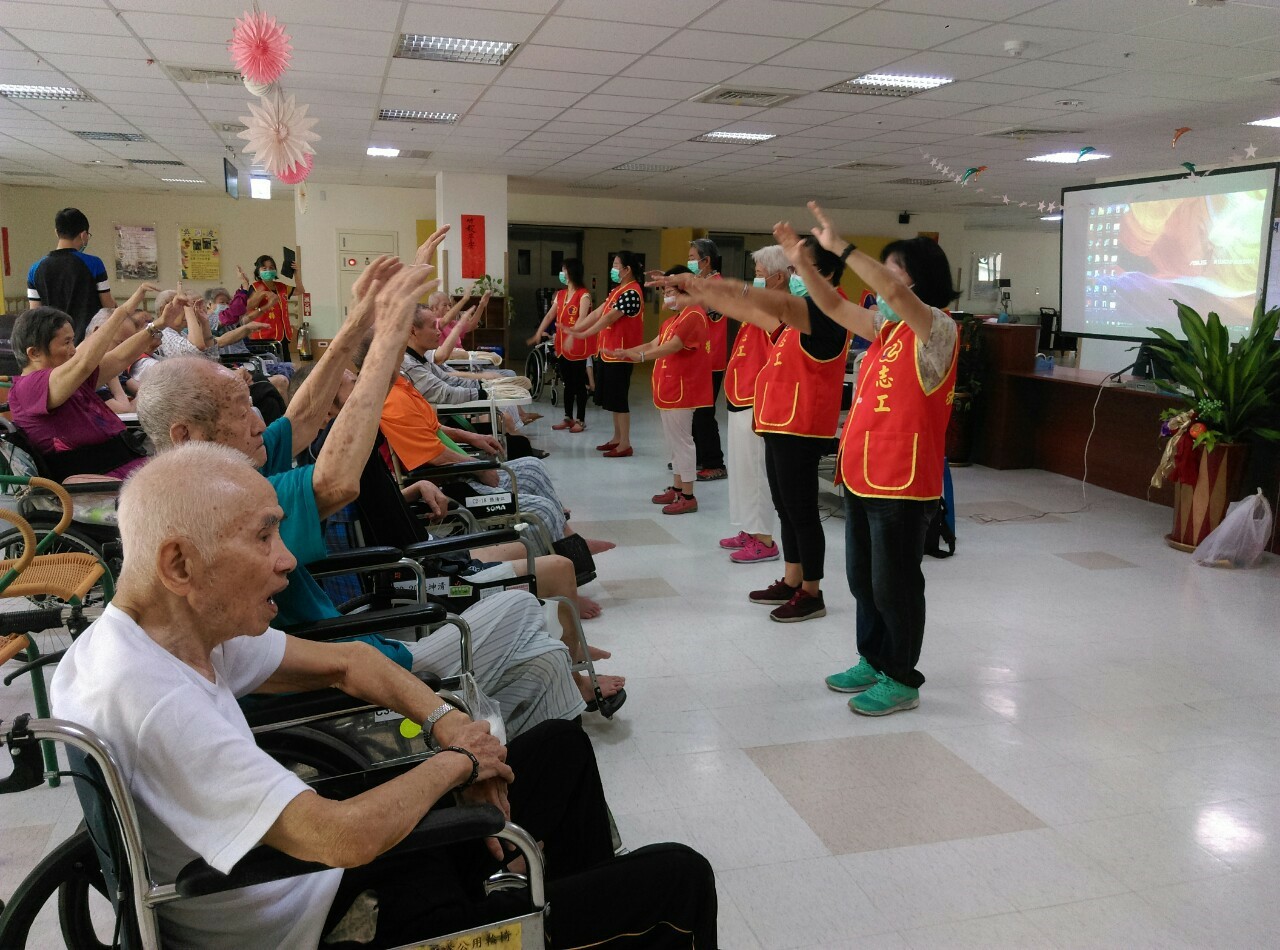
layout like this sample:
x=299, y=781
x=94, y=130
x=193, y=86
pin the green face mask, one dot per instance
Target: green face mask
x=758, y=282
x=694, y=265
x=564, y=280
x=267, y=275
x=797, y=287
x=615, y=276
x=883, y=306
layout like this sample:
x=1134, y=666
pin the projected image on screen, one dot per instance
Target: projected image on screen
x=1129, y=249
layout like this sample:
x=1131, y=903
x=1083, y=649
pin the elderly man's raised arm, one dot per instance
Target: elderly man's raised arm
x=336, y=478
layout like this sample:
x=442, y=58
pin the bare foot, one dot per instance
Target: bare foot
x=599, y=547
x=609, y=685
x=588, y=609
x=598, y=654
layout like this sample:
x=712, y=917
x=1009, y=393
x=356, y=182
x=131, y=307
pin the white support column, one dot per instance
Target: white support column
x=459, y=193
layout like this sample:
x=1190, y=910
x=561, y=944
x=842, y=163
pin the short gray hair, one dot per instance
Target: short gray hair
x=99, y=318
x=162, y=300
x=178, y=495
x=438, y=298
x=772, y=258
x=215, y=291
x=183, y=390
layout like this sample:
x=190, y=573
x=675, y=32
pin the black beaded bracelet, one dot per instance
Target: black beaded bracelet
x=475, y=764
x=848, y=249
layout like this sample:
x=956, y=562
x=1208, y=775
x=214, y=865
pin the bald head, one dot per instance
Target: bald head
x=192, y=399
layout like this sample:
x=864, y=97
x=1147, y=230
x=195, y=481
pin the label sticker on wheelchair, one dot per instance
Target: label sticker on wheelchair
x=386, y=715
x=497, y=499
x=509, y=934
x=492, y=591
x=461, y=590
x=439, y=586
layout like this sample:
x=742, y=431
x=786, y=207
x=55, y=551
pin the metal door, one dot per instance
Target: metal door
x=534, y=260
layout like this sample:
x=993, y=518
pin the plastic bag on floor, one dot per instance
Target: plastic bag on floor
x=1241, y=537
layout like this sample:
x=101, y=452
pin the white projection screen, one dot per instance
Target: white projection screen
x=1130, y=248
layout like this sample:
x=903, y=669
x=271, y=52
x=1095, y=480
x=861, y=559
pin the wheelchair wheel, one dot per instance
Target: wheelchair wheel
x=71, y=871
x=70, y=542
x=311, y=754
x=535, y=371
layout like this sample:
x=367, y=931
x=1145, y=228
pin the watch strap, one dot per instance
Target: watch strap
x=848, y=249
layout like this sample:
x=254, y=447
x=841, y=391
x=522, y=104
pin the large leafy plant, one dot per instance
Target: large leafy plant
x=1234, y=389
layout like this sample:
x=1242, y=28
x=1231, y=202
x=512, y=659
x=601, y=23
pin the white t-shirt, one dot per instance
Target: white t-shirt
x=201, y=786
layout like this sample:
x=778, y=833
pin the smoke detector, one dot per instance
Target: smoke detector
x=1015, y=47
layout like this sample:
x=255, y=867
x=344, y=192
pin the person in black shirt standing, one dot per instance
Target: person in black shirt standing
x=67, y=278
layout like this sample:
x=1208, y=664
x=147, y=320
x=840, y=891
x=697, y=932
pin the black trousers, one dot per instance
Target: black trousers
x=574, y=374
x=661, y=896
x=706, y=430
x=613, y=385
x=884, y=545
x=791, y=466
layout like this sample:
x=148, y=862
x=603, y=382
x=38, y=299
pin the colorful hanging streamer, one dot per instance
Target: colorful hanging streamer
x=1179, y=133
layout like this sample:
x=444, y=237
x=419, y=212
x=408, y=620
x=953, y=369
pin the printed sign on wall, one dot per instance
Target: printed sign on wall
x=472, y=246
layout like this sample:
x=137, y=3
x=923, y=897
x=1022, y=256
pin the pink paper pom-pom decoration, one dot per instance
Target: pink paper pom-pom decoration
x=260, y=47
x=298, y=172
x=278, y=133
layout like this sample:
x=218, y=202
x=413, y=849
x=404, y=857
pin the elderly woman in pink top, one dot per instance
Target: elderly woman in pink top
x=55, y=400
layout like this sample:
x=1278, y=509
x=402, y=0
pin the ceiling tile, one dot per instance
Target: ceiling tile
x=775, y=17
x=328, y=39
x=908, y=30
x=536, y=56
x=443, y=72
x=468, y=22
x=306, y=60
x=692, y=70
x=642, y=106
x=117, y=47
x=788, y=77
x=1044, y=74
x=975, y=92
x=655, y=12
x=1118, y=17
x=1041, y=40
x=87, y=21
x=546, y=79
x=845, y=58
x=994, y=10
x=743, y=47
x=953, y=65
x=651, y=88
x=577, y=33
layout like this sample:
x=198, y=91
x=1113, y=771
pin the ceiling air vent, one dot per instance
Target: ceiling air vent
x=644, y=167
x=1019, y=134
x=418, y=153
x=754, y=98
x=913, y=181
x=155, y=161
x=217, y=77
x=865, y=167
x=112, y=136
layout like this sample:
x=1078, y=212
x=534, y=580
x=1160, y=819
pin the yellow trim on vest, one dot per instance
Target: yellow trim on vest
x=866, y=451
x=764, y=401
x=955, y=357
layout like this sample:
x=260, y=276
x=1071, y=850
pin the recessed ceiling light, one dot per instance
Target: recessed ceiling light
x=454, y=49
x=259, y=187
x=199, y=181
x=379, y=152
x=55, y=93
x=1068, y=158
x=112, y=136
x=1051, y=217
x=888, y=84
x=735, y=138
x=1272, y=123
x=418, y=115
x=644, y=167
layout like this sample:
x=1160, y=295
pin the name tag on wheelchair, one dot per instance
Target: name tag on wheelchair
x=438, y=586
x=499, y=503
x=386, y=715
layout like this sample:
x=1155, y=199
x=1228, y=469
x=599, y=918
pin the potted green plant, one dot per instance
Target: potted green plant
x=969, y=367
x=1229, y=395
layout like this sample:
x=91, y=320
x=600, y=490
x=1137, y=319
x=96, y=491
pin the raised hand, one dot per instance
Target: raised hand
x=364, y=291
x=428, y=249
x=790, y=243
x=826, y=232
x=244, y=278
x=398, y=297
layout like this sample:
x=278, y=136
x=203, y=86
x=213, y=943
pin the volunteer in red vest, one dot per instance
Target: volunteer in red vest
x=797, y=411
x=276, y=317
x=891, y=454
x=704, y=261
x=681, y=355
x=619, y=323
x=750, y=505
x=570, y=305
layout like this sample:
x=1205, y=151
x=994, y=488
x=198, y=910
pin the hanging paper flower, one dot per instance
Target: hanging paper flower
x=260, y=47
x=300, y=198
x=297, y=173
x=279, y=133
x=259, y=89
x=1179, y=133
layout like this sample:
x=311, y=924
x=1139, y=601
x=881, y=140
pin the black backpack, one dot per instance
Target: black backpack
x=939, y=532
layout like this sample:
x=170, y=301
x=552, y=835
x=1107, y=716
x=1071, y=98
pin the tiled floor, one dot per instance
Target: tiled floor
x=1095, y=761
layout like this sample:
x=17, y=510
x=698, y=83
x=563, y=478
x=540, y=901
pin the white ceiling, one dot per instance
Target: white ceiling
x=596, y=83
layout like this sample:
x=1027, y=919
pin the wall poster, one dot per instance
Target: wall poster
x=136, y=257
x=201, y=254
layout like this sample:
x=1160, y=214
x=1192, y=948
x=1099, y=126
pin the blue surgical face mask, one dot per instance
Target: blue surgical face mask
x=758, y=282
x=564, y=280
x=883, y=306
x=694, y=265
x=797, y=287
x=217, y=309
x=267, y=275
x=614, y=275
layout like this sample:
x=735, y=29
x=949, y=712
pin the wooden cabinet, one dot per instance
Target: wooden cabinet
x=492, y=330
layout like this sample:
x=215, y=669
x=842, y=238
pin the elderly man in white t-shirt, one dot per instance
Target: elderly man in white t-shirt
x=188, y=633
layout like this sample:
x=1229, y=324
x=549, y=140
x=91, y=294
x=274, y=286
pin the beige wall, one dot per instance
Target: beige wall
x=1031, y=259
x=247, y=228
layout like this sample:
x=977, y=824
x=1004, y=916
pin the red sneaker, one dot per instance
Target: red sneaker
x=738, y=540
x=681, y=506
x=667, y=497
x=613, y=453
x=754, y=551
x=560, y=426
x=607, y=447
x=802, y=606
x=777, y=593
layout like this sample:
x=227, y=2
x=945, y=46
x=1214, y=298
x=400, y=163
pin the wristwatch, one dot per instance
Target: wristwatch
x=429, y=724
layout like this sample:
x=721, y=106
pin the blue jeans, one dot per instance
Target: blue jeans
x=884, y=546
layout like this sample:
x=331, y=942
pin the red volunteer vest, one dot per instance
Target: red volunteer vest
x=750, y=350
x=627, y=331
x=683, y=379
x=568, y=312
x=797, y=394
x=277, y=316
x=896, y=434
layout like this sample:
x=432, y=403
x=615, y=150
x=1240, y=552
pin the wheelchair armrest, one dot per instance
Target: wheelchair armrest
x=264, y=710
x=425, y=549
x=34, y=665
x=357, y=559
x=456, y=470
x=369, y=621
x=439, y=828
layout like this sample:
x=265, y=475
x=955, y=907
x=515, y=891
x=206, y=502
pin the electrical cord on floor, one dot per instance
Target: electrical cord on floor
x=1113, y=378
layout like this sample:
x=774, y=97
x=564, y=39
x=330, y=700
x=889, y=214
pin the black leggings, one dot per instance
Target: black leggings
x=706, y=430
x=574, y=374
x=662, y=896
x=791, y=465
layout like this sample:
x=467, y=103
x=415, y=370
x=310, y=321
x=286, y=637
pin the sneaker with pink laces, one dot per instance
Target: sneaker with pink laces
x=737, y=541
x=755, y=550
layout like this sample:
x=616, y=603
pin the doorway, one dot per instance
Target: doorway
x=535, y=256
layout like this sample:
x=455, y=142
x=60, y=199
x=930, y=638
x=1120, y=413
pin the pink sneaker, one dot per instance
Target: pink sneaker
x=754, y=551
x=737, y=541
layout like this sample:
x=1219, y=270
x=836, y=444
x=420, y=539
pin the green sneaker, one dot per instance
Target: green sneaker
x=853, y=680
x=887, y=696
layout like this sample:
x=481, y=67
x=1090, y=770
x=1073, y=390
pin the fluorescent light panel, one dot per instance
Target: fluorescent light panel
x=1067, y=158
x=644, y=167
x=888, y=84
x=1051, y=217
x=418, y=115
x=259, y=187
x=454, y=49
x=1272, y=123
x=54, y=93
x=735, y=138
x=379, y=152
x=197, y=181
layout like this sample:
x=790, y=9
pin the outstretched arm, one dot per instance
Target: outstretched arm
x=742, y=301
x=470, y=320
x=96, y=353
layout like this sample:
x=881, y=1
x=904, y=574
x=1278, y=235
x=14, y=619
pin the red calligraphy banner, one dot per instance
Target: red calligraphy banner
x=472, y=246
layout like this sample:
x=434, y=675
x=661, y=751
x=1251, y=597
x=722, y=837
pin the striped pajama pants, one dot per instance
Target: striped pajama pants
x=536, y=492
x=517, y=662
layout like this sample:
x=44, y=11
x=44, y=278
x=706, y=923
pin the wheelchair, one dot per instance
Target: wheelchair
x=542, y=370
